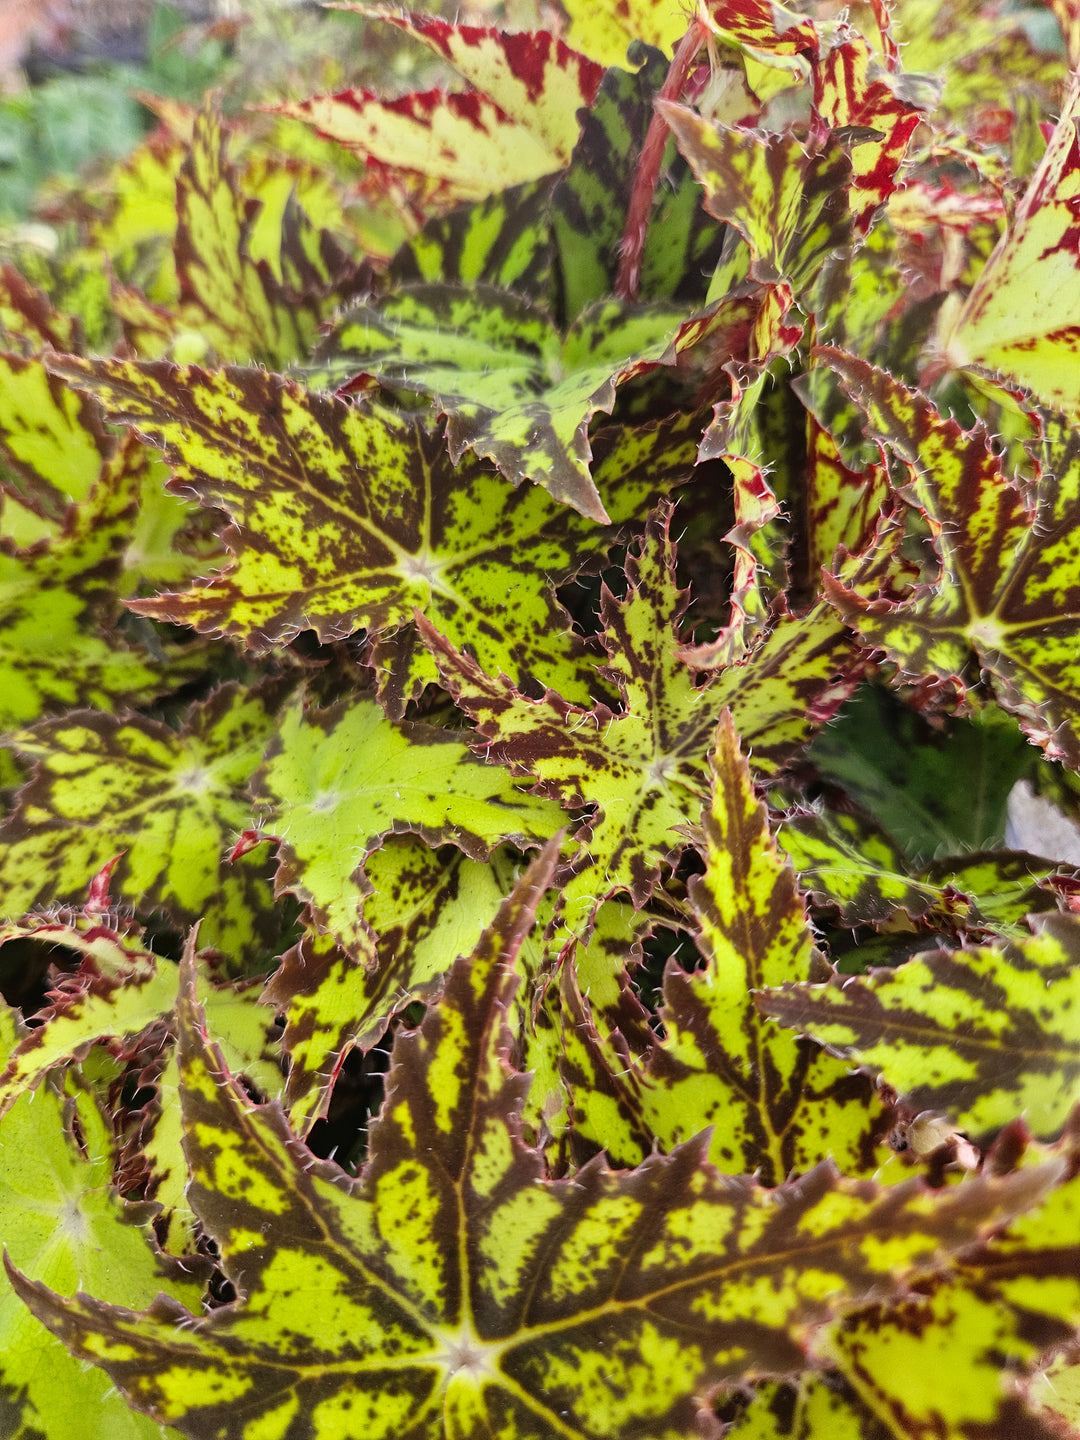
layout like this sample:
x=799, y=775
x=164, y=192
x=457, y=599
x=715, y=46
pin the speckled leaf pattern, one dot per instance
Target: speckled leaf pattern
x=337, y=781
x=788, y=686
x=397, y=1333
x=983, y=1033
x=1022, y=316
x=642, y=770
x=776, y=1105
x=515, y=391
x=60, y=604
x=347, y=517
x=424, y=908
x=1014, y=1297
x=171, y=802
x=1004, y=565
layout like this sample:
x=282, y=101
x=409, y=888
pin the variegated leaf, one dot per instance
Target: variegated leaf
x=656, y=1285
x=775, y=1105
x=515, y=391
x=170, y=802
x=1005, y=566
x=983, y=1033
x=337, y=781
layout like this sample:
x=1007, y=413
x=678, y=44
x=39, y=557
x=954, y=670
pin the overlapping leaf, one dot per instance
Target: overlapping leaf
x=605, y=30
x=348, y=517
x=983, y=1033
x=171, y=801
x=1022, y=316
x=775, y=1104
x=62, y=1222
x=337, y=781
x=515, y=391
x=787, y=200
x=643, y=770
x=423, y=908
x=1006, y=567
x=422, y=1310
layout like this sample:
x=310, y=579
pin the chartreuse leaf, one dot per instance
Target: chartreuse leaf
x=983, y=1033
x=348, y=516
x=60, y=603
x=119, y=990
x=1014, y=1297
x=236, y=304
x=643, y=771
x=424, y=908
x=52, y=442
x=1006, y=567
x=63, y=1223
x=776, y=1105
x=1022, y=316
x=171, y=801
x=337, y=781
x=28, y=321
x=450, y=1291
x=605, y=30
x=518, y=124
x=788, y=200
x=589, y=204
x=535, y=79
x=515, y=391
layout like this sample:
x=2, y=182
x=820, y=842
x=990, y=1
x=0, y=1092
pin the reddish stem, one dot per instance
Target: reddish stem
x=648, y=166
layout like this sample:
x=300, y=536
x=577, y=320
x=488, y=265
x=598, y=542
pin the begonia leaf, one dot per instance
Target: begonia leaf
x=63, y=1223
x=983, y=1033
x=60, y=608
x=775, y=1105
x=29, y=322
x=1021, y=316
x=605, y=30
x=171, y=801
x=347, y=517
x=424, y=908
x=788, y=201
x=439, y=1327
x=1004, y=565
x=854, y=92
x=337, y=781
x=502, y=240
x=642, y=770
x=514, y=390
x=518, y=123
x=52, y=441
